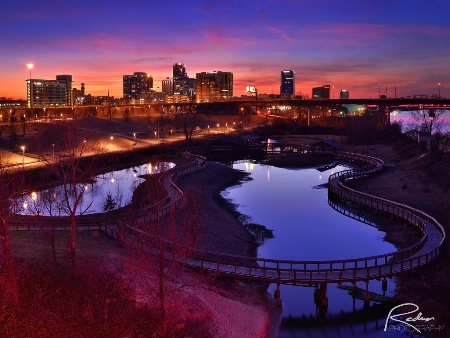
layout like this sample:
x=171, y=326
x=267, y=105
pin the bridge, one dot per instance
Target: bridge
x=295, y=272
x=292, y=272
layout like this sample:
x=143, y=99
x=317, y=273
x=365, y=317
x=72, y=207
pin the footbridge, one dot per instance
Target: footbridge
x=320, y=273
x=293, y=272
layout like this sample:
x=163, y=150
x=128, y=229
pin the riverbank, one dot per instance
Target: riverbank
x=222, y=231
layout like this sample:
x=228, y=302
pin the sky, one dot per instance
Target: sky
x=395, y=47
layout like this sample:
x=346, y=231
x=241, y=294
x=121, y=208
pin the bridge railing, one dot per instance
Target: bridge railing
x=301, y=272
x=160, y=208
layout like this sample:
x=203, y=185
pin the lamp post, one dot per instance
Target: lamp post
x=30, y=67
x=379, y=90
x=134, y=135
x=23, y=154
x=439, y=90
x=53, y=152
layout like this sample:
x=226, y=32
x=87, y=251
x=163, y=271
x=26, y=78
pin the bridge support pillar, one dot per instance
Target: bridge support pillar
x=384, y=286
x=367, y=296
x=277, y=295
x=354, y=290
x=320, y=296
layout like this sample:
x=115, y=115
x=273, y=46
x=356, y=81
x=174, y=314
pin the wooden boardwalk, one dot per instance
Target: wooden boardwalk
x=293, y=272
x=322, y=272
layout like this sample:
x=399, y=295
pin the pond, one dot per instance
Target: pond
x=293, y=203
x=106, y=192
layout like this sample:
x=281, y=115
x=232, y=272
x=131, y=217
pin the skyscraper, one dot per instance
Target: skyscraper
x=136, y=85
x=321, y=92
x=212, y=86
x=179, y=71
x=47, y=93
x=167, y=86
x=68, y=80
x=287, y=87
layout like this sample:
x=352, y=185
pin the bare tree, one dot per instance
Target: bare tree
x=126, y=115
x=79, y=163
x=11, y=186
x=165, y=249
x=427, y=120
x=189, y=120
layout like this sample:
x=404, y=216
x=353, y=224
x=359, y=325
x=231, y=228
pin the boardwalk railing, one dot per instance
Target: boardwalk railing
x=314, y=272
x=172, y=199
x=295, y=271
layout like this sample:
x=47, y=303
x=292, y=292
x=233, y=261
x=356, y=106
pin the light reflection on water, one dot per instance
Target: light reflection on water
x=306, y=228
x=119, y=184
x=408, y=122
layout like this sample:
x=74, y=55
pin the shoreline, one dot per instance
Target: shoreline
x=221, y=214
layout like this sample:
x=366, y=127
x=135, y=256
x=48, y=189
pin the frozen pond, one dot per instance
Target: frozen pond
x=106, y=192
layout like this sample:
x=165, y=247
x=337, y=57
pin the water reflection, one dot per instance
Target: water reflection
x=104, y=193
x=408, y=122
x=305, y=227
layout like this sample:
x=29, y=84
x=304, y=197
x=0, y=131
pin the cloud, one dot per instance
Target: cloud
x=281, y=33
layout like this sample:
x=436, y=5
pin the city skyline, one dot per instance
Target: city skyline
x=365, y=48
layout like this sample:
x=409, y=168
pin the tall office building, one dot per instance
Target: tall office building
x=184, y=86
x=344, y=94
x=137, y=85
x=68, y=80
x=50, y=93
x=287, y=87
x=179, y=71
x=321, y=92
x=167, y=86
x=213, y=86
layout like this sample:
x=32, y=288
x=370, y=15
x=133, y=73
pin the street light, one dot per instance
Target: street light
x=134, y=135
x=53, y=152
x=30, y=67
x=439, y=90
x=379, y=90
x=23, y=154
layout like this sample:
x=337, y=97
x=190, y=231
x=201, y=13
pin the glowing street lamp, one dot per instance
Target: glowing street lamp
x=439, y=90
x=134, y=135
x=53, y=152
x=30, y=67
x=23, y=154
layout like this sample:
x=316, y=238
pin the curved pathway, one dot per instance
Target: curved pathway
x=334, y=271
x=292, y=271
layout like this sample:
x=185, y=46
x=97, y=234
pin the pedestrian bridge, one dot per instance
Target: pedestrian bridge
x=298, y=272
x=293, y=272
